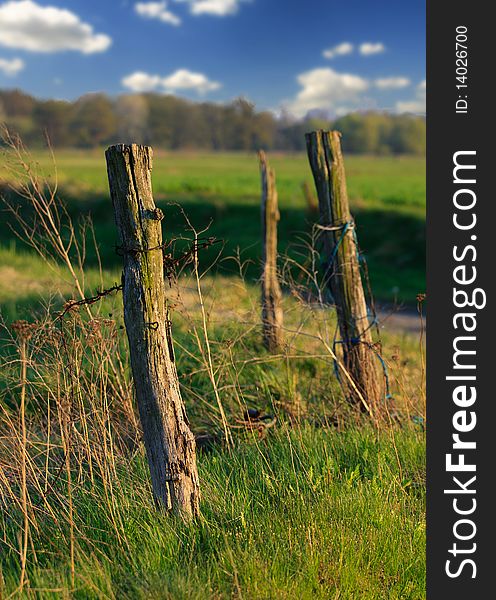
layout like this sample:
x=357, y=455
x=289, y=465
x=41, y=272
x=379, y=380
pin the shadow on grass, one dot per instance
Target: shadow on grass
x=392, y=242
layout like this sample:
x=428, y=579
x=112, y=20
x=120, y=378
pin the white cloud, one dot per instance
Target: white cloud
x=141, y=82
x=392, y=83
x=218, y=8
x=180, y=80
x=157, y=10
x=326, y=89
x=339, y=50
x=368, y=48
x=29, y=26
x=411, y=106
x=417, y=104
x=11, y=67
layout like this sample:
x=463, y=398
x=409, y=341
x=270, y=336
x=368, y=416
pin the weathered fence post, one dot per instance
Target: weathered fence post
x=169, y=442
x=271, y=292
x=343, y=270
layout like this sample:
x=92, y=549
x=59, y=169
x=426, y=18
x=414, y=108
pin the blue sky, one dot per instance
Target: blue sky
x=297, y=54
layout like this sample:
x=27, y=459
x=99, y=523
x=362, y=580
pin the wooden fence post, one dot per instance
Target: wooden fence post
x=272, y=316
x=169, y=442
x=343, y=271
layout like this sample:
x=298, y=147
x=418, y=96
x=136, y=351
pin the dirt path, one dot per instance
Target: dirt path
x=400, y=319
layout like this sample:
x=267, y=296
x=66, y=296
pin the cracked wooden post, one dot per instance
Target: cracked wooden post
x=343, y=271
x=271, y=291
x=169, y=442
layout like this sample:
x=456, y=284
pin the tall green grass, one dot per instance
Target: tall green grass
x=303, y=513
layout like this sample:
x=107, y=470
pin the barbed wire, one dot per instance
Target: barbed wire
x=71, y=304
x=169, y=261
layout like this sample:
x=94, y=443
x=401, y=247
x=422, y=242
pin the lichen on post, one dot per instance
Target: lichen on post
x=169, y=442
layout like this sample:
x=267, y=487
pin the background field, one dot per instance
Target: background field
x=387, y=198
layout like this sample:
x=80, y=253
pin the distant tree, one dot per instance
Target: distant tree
x=384, y=125
x=408, y=135
x=171, y=121
x=238, y=123
x=159, y=120
x=213, y=117
x=94, y=122
x=360, y=133
x=264, y=131
x=17, y=113
x=53, y=117
x=17, y=103
x=131, y=113
x=245, y=129
x=167, y=121
x=188, y=130
x=290, y=133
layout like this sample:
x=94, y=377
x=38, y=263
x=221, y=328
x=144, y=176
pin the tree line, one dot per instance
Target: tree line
x=169, y=122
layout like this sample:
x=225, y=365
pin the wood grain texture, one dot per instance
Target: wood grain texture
x=169, y=442
x=272, y=315
x=343, y=270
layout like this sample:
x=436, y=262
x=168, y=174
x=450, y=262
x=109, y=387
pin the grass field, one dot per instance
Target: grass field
x=320, y=505
x=387, y=197
x=303, y=515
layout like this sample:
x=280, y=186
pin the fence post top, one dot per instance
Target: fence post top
x=323, y=132
x=129, y=149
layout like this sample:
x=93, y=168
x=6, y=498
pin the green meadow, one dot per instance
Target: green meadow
x=321, y=504
x=222, y=191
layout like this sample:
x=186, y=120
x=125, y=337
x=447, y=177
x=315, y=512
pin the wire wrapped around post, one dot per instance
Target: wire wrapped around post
x=342, y=273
